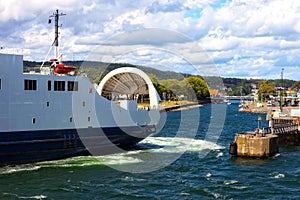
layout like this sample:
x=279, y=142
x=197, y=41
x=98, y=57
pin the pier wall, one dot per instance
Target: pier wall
x=288, y=134
x=289, y=139
x=265, y=142
x=251, y=145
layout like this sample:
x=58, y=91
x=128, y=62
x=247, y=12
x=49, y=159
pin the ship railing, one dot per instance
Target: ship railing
x=7, y=50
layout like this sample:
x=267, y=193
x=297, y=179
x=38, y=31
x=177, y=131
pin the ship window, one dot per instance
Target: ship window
x=72, y=85
x=33, y=120
x=83, y=103
x=48, y=103
x=59, y=85
x=71, y=119
x=30, y=84
x=49, y=85
x=89, y=119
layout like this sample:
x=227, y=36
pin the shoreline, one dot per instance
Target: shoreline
x=265, y=110
x=175, y=108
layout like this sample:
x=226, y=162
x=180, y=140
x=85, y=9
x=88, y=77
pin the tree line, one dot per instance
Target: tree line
x=192, y=88
x=169, y=85
x=172, y=85
x=243, y=87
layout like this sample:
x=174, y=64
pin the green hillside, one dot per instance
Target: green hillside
x=97, y=70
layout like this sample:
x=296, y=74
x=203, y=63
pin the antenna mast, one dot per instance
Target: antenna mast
x=56, y=16
x=282, y=90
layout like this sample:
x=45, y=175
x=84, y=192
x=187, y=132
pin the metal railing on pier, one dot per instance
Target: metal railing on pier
x=284, y=120
x=281, y=130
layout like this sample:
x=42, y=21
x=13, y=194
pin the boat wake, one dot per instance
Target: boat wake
x=178, y=145
x=19, y=168
x=152, y=150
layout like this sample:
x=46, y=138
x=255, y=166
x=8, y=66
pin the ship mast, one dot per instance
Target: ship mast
x=56, y=16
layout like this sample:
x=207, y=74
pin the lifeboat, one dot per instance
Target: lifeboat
x=62, y=69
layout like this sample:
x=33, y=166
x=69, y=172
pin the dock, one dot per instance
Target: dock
x=265, y=142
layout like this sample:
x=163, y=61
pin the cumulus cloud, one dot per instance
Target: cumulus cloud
x=243, y=38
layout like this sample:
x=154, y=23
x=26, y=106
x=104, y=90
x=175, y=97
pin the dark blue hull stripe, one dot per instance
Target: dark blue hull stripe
x=31, y=146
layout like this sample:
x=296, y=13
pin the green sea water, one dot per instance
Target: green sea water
x=216, y=175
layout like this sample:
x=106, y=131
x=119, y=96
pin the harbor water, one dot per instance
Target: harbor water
x=200, y=169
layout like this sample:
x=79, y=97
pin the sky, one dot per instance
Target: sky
x=229, y=38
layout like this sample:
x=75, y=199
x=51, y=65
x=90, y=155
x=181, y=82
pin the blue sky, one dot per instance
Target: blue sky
x=236, y=38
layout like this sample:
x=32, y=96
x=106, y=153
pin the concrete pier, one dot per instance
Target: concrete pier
x=265, y=142
x=256, y=145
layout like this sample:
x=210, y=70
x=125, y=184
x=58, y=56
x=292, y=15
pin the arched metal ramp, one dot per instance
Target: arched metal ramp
x=126, y=83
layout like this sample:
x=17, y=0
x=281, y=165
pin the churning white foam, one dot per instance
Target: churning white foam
x=177, y=144
x=18, y=168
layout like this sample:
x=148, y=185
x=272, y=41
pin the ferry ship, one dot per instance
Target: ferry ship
x=54, y=114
